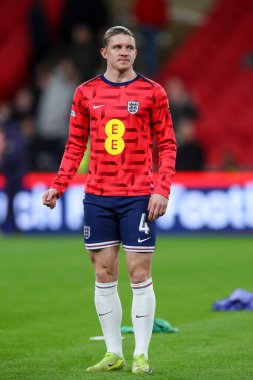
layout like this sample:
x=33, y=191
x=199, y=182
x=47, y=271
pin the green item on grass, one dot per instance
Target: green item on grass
x=159, y=326
x=127, y=329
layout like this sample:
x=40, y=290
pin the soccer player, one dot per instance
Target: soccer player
x=120, y=111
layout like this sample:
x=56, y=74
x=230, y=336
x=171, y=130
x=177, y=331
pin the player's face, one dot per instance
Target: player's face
x=120, y=52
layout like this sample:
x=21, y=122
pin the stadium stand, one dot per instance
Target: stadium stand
x=210, y=62
x=15, y=41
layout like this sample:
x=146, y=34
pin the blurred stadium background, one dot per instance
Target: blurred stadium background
x=201, y=51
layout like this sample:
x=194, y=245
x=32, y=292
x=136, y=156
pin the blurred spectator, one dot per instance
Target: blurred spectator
x=82, y=51
x=18, y=117
x=53, y=113
x=23, y=114
x=41, y=75
x=23, y=103
x=151, y=19
x=181, y=105
x=39, y=31
x=13, y=165
x=93, y=13
x=190, y=154
x=28, y=130
x=5, y=112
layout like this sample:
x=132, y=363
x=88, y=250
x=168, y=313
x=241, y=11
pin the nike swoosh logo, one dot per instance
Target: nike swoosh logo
x=95, y=107
x=142, y=240
x=104, y=313
x=142, y=316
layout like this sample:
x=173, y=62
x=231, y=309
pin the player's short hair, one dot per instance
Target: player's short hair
x=114, y=31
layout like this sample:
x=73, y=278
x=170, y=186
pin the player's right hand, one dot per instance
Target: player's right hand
x=50, y=197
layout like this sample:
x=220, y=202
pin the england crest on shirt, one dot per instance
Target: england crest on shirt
x=86, y=231
x=132, y=106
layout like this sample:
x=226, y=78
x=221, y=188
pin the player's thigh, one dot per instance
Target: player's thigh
x=101, y=226
x=105, y=263
x=137, y=232
x=139, y=266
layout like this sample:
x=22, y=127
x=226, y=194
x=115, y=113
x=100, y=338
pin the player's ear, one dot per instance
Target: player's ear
x=103, y=52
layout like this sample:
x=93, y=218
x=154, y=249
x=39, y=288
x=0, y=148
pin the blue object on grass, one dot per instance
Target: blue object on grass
x=240, y=299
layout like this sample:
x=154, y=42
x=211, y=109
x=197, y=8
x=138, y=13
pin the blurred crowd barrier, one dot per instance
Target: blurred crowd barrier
x=200, y=202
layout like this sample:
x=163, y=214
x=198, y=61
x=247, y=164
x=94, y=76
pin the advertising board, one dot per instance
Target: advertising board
x=199, y=203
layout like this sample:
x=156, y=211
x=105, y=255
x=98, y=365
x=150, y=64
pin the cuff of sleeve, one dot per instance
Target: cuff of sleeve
x=163, y=192
x=52, y=186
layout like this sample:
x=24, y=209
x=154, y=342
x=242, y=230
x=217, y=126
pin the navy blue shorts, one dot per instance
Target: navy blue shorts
x=108, y=221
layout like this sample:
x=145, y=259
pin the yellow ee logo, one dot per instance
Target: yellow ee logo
x=114, y=129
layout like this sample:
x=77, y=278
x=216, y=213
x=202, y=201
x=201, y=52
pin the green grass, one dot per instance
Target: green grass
x=47, y=313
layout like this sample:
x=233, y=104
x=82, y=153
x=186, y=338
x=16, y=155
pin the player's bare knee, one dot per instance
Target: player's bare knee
x=138, y=275
x=106, y=274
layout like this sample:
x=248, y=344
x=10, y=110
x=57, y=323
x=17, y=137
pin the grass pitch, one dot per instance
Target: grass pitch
x=47, y=312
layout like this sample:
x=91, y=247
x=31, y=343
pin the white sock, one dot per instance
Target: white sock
x=143, y=311
x=109, y=312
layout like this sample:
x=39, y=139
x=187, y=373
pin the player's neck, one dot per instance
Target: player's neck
x=118, y=77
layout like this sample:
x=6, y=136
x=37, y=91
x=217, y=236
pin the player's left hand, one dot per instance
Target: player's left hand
x=157, y=206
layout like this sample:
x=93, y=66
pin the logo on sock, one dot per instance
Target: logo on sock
x=104, y=313
x=142, y=316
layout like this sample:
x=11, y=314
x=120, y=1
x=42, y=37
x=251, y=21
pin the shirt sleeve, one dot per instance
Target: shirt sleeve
x=76, y=144
x=167, y=147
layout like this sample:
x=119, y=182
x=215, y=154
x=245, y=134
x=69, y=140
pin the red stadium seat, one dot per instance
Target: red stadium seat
x=211, y=64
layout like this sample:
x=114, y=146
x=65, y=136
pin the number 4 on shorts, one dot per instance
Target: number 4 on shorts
x=143, y=227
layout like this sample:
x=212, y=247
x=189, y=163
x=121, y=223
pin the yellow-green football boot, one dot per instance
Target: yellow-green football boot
x=109, y=363
x=140, y=364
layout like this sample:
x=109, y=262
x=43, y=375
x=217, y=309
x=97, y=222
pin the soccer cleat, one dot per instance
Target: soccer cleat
x=109, y=363
x=140, y=364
